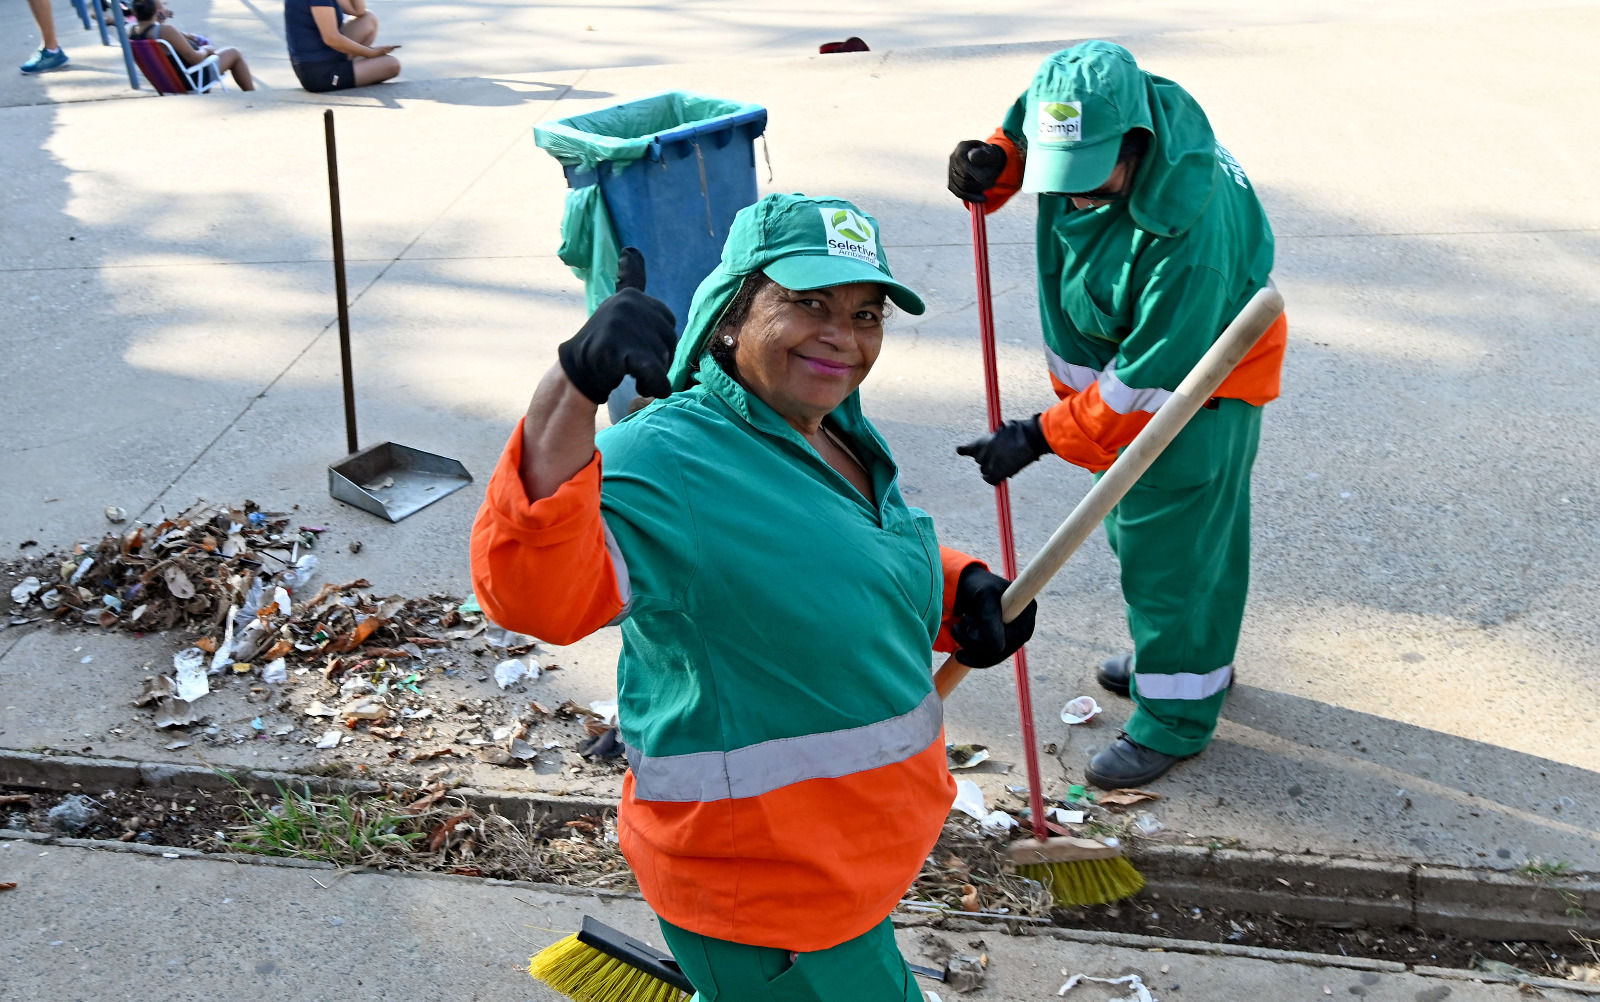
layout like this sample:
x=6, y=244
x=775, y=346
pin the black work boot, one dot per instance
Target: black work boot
x=1115, y=672
x=1125, y=763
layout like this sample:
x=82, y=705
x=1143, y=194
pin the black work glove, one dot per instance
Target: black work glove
x=982, y=637
x=631, y=334
x=1003, y=454
x=974, y=168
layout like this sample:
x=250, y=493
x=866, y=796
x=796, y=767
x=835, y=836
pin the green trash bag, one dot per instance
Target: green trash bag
x=589, y=244
x=617, y=135
x=623, y=133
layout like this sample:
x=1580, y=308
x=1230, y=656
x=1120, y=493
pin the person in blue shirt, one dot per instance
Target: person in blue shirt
x=329, y=51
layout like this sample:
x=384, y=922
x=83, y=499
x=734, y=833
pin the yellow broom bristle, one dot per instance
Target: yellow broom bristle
x=585, y=974
x=1086, y=882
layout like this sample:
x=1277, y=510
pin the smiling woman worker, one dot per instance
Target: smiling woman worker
x=779, y=604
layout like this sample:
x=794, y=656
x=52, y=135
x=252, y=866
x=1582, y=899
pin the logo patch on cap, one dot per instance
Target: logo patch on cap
x=1060, y=121
x=850, y=235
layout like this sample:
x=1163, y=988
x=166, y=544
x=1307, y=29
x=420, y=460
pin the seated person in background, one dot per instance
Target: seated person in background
x=330, y=53
x=191, y=49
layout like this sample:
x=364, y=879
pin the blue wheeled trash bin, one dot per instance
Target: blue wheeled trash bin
x=665, y=174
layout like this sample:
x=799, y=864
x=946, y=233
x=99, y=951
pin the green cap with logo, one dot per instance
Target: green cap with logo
x=800, y=242
x=1081, y=103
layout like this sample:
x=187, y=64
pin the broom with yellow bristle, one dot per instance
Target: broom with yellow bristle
x=600, y=964
x=1083, y=871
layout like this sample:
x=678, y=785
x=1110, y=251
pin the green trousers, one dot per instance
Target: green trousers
x=1182, y=538
x=868, y=968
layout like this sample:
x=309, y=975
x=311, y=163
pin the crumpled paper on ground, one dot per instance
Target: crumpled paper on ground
x=1134, y=981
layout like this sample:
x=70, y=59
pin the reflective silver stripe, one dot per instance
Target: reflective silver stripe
x=702, y=777
x=1182, y=685
x=619, y=567
x=1077, y=377
x=1119, y=396
x=1125, y=399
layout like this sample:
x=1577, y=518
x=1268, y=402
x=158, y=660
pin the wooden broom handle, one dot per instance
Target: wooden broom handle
x=1199, y=386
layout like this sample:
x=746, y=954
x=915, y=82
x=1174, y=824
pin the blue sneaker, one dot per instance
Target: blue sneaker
x=44, y=61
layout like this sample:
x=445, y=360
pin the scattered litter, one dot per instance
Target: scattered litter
x=189, y=668
x=86, y=659
x=965, y=973
x=116, y=515
x=25, y=589
x=1064, y=817
x=606, y=709
x=317, y=708
x=1147, y=823
x=73, y=814
x=969, y=800
x=1080, y=710
x=512, y=670
x=499, y=636
x=996, y=822
x=257, y=725
x=174, y=713
x=1077, y=794
x=1117, y=799
x=605, y=745
x=329, y=739
x=284, y=729
x=965, y=756
x=851, y=44
x=276, y=672
x=1134, y=981
x=175, y=745
x=470, y=607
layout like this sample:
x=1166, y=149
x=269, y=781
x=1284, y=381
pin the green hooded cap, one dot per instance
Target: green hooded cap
x=800, y=242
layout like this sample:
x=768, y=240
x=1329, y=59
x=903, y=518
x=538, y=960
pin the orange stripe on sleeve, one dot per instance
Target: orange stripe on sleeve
x=1086, y=432
x=542, y=567
x=1010, y=180
x=954, y=562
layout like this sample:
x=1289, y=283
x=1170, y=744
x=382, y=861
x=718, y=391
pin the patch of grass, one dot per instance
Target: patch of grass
x=337, y=829
x=1539, y=870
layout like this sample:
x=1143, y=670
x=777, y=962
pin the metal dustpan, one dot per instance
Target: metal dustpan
x=394, y=480
x=388, y=479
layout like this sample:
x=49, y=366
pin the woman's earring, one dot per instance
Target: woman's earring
x=727, y=339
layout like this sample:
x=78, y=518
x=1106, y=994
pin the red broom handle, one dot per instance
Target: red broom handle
x=1002, y=506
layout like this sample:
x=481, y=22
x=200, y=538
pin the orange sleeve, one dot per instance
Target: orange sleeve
x=1010, y=180
x=954, y=562
x=1257, y=379
x=1085, y=431
x=543, y=567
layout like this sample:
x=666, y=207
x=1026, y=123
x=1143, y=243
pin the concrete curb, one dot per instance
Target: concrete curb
x=1464, y=902
x=953, y=922
x=1473, y=903
x=65, y=773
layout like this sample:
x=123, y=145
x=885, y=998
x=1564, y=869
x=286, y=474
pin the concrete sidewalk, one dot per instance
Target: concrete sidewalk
x=90, y=925
x=1418, y=671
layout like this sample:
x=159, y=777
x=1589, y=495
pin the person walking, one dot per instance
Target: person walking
x=50, y=55
x=1150, y=240
x=779, y=603
x=330, y=53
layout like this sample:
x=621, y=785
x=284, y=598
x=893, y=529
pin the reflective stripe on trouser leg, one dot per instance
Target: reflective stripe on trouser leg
x=868, y=968
x=1182, y=537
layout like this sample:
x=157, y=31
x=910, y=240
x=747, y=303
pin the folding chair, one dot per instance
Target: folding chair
x=166, y=71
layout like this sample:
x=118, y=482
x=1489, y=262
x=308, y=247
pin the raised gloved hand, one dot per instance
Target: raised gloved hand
x=631, y=334
x=1004, y=453
x=974, y=168
x=982, y=637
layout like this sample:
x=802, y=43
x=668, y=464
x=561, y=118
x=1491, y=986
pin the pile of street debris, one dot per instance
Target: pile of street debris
x=239, y=582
